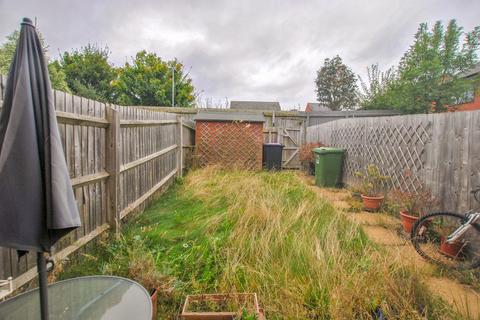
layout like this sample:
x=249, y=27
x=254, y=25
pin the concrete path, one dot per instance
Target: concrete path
x=385, y=230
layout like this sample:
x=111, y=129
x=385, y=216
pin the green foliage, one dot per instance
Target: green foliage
x=416, y=203
x=7, y=50
x=147, y=81
x=374, y=90
x=429, y=74
x=245, y=315
x=126, y=257
x=372, y=181
x=58, y=77
x=88, y=72
x=336, y=85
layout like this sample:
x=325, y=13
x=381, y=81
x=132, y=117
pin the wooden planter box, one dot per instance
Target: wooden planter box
x=248, y=301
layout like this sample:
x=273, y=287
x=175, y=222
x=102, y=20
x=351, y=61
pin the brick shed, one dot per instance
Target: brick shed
x=229, y=139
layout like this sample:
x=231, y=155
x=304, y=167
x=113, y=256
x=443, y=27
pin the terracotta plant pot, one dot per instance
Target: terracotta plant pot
x=451, y=250
x=407, y=221
x=211, y=306
x=372, y=203
x=154, y=298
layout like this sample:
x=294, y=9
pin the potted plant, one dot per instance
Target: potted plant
x=307, y=158
x=454, y=250
x=412, y=205
x=227, y=306
x=372, y=187
x=451, y=250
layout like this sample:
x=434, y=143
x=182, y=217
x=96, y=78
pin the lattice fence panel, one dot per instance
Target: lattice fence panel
x=399, y=150
x=351, y=139
x=229, y=144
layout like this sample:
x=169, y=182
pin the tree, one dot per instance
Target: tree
x=430, y=70
x=7, y=50
x=429, y=75
x=57, y=76
x=336, y=85
x=88, y=72
x=147, y=81
x=374, y=90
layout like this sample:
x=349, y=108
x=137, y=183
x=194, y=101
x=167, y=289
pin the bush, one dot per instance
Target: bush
x=306, y=153
x=372, y=181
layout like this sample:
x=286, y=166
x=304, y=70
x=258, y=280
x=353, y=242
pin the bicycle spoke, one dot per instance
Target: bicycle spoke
x=430, y=236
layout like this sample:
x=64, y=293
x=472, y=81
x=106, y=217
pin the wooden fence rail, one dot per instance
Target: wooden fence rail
x=441, y=151
x=118, y=158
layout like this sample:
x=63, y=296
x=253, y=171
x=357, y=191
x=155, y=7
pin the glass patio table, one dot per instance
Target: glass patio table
x=94, y=297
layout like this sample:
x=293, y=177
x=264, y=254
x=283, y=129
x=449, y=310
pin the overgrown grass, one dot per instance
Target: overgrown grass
x=237, y=231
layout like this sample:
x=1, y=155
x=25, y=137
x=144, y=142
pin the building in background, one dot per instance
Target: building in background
x=316, y=107
x=255, y=105
x=471, y=100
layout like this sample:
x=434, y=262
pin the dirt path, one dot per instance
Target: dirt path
x=384, y=230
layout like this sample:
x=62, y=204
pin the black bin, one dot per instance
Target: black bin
x=272, y=156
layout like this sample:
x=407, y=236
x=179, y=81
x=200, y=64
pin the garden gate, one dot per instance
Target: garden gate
x=289, y=131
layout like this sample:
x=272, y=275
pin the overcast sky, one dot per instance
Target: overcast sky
x=242, y=50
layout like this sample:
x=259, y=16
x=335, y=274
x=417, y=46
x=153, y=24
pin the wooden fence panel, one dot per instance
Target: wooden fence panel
x=440, y=151
x=148, y=154
x=82, y=148
x=118, y=158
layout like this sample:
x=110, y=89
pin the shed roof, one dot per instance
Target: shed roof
x=255, y=105
x=229, y=116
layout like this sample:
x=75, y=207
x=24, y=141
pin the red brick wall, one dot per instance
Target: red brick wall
x=229, y=144
x=474, y=105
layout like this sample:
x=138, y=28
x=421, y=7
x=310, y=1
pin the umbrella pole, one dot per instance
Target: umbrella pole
x=42, y=281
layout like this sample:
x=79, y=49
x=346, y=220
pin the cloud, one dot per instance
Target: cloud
x=251, y=50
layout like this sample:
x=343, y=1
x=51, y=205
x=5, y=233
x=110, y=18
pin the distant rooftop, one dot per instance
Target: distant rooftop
x=316, y=107
x=474, y=71
x=255, y=105
x=206, y=115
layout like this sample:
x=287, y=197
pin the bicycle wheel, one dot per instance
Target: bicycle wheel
x=430, y=232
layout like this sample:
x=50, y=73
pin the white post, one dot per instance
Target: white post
x=180, y=146
x=173, y=86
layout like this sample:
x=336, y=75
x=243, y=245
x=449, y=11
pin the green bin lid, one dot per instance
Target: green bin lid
x=325, y=150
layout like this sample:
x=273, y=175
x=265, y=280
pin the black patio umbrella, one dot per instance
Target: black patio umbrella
x=37, y=205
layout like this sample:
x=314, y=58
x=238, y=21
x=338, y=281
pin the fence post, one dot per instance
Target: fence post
x=112, y=165
x=180, y=146
x=305, y=128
